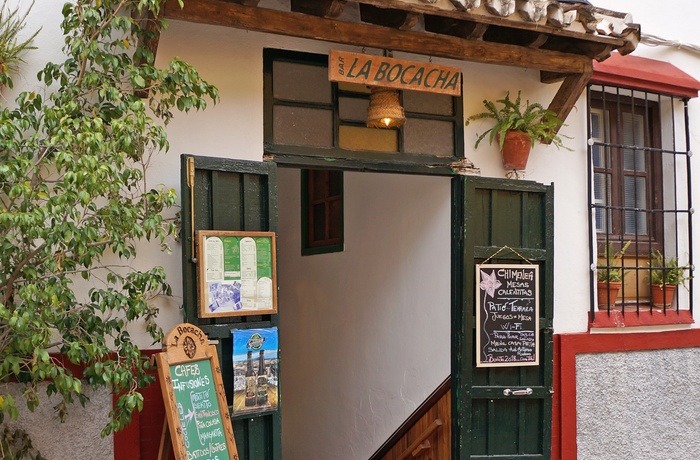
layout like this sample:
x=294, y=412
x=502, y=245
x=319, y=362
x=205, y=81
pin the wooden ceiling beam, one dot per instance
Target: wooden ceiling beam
x=457, y=28
x=245, y=2
x=321, y=8
x=397, y=19
x=216, y=12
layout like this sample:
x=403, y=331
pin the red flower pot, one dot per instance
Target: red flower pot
x=516, y=150
x=662, y=296
x=607, y=294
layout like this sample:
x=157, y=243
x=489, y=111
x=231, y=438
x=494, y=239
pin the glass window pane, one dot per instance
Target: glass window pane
x=635, y=196
x=335, y=210
x=319, y=222
x=601, y=156
x=601, y=196
x=335, y=179
x=431, y=137
x=600, y=188
x=303, y=126
x=602, y=224
x=595, y=125
x=353, y=108
x=360, y=138
x=421, y=102
x=300, y=82
x=318, y=179
x=633, y=134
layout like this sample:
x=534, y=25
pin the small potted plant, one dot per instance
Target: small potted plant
x=665, y=274
x=12, y=23
x=518, y=126
x=610, y=275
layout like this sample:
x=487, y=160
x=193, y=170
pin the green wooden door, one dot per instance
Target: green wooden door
x=225, y=194
x=491, y=215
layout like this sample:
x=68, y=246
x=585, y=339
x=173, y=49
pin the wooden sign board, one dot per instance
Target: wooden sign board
x=195, y=403
x=507, y=315
x=388, y=72
x=236, y=273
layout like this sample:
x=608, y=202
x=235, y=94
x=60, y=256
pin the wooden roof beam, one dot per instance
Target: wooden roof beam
x=216, y=12
x=387, y=17
x=570, y=90
x=245, y=2
x=455, y=27
x=321, y=8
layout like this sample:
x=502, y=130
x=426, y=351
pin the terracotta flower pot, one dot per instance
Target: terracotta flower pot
x=516, y=150
x=662, y=296
x=607, y=294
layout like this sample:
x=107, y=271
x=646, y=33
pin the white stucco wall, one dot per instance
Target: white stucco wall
x=77, y=437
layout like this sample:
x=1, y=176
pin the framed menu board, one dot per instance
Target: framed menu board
x=196, y=410
x=236, y=273
x=507, y=315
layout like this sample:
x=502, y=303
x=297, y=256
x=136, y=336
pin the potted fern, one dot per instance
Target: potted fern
x=518, y=126
x=12, y=22
x=609, y=275
x=665, y=274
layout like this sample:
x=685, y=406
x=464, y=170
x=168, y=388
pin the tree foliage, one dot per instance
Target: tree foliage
x=74, y=205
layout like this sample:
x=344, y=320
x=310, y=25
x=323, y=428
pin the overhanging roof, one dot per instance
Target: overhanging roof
x=558, y=38
x=646, y=75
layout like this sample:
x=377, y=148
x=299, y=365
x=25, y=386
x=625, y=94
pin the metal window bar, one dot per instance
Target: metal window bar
x=666, y=220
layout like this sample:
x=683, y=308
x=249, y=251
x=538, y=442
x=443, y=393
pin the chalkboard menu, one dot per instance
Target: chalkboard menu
x=507, y=315
x=196, y=409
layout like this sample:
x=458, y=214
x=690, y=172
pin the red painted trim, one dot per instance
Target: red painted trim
x=572, y=344
x=643, y=318
x=127, y=441
x=556, y=400
x=646, y=75
x=135, y=442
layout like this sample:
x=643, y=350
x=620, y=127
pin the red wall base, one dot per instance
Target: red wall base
x=141, y=439
x=567, y=346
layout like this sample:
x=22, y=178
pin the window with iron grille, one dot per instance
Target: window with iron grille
x=639, y=176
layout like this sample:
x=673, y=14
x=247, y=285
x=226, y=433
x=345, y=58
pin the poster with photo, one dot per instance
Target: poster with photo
x=255, y=370
x=236, y=273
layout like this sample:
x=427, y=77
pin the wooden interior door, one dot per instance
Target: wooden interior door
x=512, y=220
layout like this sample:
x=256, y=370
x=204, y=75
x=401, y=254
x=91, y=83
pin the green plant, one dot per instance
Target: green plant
x=538, y=123
x=15, y=444
x=611, y=271
x=665, y=271
x=75, y=205
x=12, y=22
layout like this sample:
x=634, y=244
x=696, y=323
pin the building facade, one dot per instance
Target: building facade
x=379, y=232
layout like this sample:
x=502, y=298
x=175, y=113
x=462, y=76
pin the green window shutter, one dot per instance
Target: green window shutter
x=230, y=195
x=491, y=215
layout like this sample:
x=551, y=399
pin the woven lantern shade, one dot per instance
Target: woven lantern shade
x=384, y=109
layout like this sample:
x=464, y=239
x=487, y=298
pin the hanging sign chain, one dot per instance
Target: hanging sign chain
x=514, y=252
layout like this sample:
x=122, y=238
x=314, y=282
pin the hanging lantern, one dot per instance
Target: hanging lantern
x=384, y=109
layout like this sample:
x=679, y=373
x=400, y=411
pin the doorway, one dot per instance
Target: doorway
x=366, y=334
